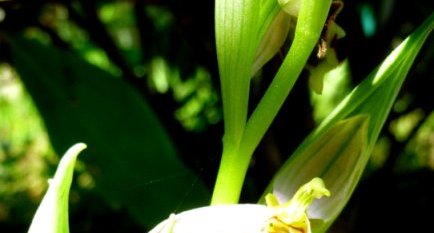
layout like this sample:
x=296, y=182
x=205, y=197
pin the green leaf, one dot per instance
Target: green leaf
x=377, y=93
x=131, y=158
x=52, y=213
x=354, y=137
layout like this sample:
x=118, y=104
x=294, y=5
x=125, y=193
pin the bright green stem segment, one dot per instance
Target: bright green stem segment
x=230, y=178
x=235, y=161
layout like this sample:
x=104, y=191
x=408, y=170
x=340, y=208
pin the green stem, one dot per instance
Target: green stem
x=230, y=178
x=235, y=159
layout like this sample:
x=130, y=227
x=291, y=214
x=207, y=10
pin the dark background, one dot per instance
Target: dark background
x=395, y=194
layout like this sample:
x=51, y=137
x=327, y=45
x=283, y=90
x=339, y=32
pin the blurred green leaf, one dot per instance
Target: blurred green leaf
x=52, y=213
x=336, y=87
x=419, y=151
x=130, y=156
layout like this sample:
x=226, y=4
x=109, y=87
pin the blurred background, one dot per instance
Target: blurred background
x=138, y=82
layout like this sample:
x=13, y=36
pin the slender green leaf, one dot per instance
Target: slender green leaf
x=377, y=93
x=372, y=99
x=52, y=213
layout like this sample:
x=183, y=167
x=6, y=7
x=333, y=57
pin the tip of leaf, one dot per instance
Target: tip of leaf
x=78, y=147
x=52, y=214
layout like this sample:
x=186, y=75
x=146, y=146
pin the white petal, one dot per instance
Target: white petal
x=242, y=218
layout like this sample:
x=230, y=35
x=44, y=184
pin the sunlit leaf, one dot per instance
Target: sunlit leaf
x=324, y=152
x=52, y=213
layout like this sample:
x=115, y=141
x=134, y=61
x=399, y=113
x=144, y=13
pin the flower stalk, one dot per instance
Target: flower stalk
x=242, y=136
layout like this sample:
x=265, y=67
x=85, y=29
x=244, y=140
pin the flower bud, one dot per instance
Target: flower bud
x=273, y=40
x=338, y=155
x=291, y=7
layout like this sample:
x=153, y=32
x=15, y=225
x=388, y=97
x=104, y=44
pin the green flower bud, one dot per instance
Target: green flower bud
x=273, y=40
x=291, y=7
x=338, y=155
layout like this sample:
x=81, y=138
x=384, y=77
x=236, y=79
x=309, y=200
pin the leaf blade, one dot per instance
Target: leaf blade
x=52, y=214
x=373, y=98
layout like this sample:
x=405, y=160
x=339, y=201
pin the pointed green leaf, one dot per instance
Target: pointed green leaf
x=353, y=138
x=377, y=93
x=52, y=213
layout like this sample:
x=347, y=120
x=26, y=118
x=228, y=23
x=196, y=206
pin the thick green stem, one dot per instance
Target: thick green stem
x=230, y=178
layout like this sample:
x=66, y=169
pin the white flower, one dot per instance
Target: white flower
x=289, y=217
